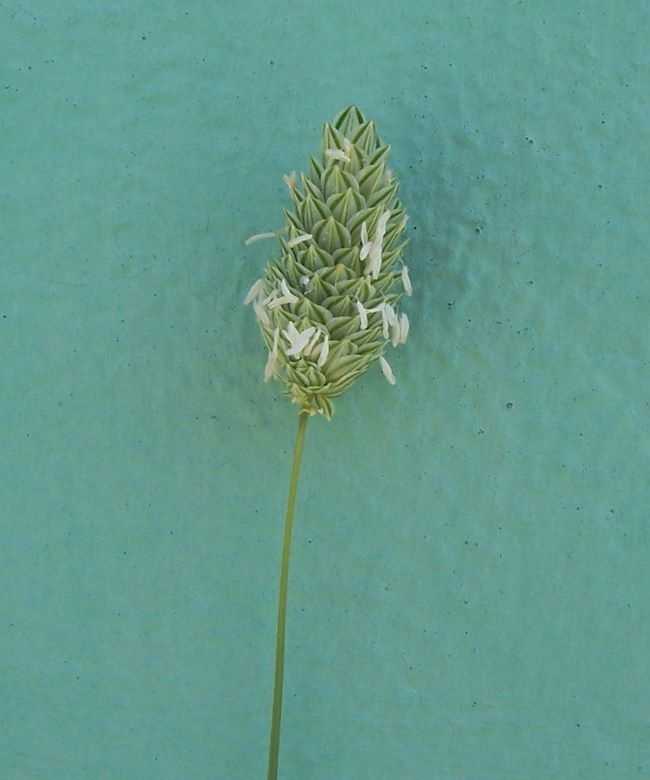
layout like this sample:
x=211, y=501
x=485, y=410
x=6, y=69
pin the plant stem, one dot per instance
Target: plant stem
x=274, y=747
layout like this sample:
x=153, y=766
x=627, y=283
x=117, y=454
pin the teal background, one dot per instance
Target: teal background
x=469, y=586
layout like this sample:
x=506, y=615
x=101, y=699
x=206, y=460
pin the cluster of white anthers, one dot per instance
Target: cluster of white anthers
x=328, y=306
x=302, y=343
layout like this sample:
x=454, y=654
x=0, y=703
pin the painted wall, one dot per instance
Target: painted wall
x=469, y=586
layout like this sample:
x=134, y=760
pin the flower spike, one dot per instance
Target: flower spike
x=328, y=304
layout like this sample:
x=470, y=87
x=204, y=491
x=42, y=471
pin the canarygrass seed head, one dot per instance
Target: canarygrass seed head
x=327, y=303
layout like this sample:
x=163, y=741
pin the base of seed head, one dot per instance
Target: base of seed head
x=327, y=305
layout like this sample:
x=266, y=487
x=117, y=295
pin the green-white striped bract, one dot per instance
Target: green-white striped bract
x=328, y=305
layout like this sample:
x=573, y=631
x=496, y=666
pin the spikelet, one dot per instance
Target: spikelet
x=327, y=307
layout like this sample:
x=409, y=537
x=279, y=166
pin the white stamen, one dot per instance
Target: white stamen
x=391, y=316
x=363, y=316
x=395, y=334
x=274, y=299
x=298, y=239
x=324, y=351
x=381, y=226
x=347, y=146
x=365, y=244
x=406, y=281
x=400, y=329
x=388, y=316
x=386, y=370
x=403, y=328
x=254, y=291
x=386, y=319
x=287, y=292
x=258, y=237
x=269, y=300
x=260, y=314
x=272, y=359
x=298, y=340
x=375, y=261
x=304, y=281
x=375, y=249
x=337, y=154
x=290, y=180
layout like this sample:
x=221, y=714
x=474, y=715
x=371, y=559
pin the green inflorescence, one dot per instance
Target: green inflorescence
x=327, y=307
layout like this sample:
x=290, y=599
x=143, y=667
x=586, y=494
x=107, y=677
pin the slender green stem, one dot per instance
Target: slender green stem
x=274, y=748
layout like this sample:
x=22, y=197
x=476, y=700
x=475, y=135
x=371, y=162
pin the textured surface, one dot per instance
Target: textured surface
x=469, y=590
